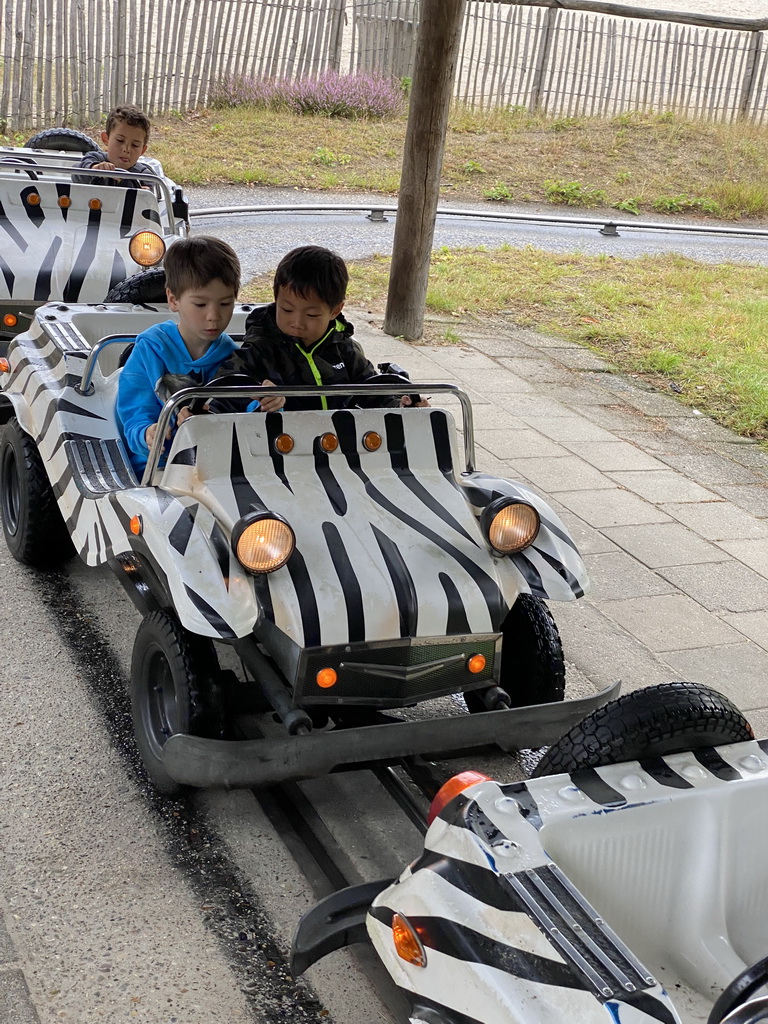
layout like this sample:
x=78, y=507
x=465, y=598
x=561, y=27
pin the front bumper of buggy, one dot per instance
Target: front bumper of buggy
x=208, y=763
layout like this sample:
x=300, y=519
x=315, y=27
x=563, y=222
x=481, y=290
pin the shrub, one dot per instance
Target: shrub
x=684, y=204
x=323, y=155
x=329, y=94
x=573, y=193
x=498, y=193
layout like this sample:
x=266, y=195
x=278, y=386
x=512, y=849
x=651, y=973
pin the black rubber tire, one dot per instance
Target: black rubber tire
x=64, y=139
x=148, y=286
x=33, y=527
x=533, y=668
x=742, y=987
x=664, y=719
x=174, y=688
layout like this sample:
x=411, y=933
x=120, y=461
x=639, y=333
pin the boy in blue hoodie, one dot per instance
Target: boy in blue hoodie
x=202, y=276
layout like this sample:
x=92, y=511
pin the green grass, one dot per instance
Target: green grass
x=633, y=162
x=667, y=318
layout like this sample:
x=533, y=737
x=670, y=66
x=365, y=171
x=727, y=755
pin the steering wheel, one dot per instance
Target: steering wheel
x=740, y=989
x=197, y=405
x=24, y=165
x=364, y=401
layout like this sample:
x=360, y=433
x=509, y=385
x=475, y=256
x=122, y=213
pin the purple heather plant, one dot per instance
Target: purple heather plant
x=330, y=94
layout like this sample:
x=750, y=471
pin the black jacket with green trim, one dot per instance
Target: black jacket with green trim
x=268, y=354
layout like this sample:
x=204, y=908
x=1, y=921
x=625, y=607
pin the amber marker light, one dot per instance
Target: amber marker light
x=5, y=366
x=326, y=678
x=284, y=444
x=33, y=199
x=329, y=442
x=65, y=202
x=10, y=320
x=407, y=943
x=94, y=204
x=146, y=248
x=476, y=663
x=451, y=789
x=137, y=526
x=372, y=441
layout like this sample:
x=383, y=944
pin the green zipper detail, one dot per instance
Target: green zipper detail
x=336, y=326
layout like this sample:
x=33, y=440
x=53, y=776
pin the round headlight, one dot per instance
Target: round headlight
x=262, y=542
x=510, y=525
x=146, y=248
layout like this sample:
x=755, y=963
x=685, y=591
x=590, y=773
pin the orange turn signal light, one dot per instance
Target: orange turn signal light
x=65, y=202
x=137, y=526
x=94, y=204
x=451, y=789
x=284, y=443
x=476, y=663
x=10, y=320
x=372, y=441
x=326, y=678
x=33, y=199
x=329, y=442
x=408, y=945
x=5, y=366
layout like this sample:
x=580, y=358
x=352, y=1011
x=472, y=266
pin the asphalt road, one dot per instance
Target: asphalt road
x=262, y=238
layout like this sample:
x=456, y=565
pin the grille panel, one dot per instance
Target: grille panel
x=379, y=676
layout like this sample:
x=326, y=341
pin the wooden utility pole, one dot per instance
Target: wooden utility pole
x=431, y=91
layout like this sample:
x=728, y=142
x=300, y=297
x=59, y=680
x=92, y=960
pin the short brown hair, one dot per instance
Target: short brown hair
x=196, y=261
x=313, y=269
x=128, y=115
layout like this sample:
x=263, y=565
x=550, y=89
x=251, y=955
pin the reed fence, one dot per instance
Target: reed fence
x=66, y=62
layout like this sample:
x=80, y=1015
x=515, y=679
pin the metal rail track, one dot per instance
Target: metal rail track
x=376, y=212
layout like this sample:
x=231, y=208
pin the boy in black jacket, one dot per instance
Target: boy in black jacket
x=302, y=337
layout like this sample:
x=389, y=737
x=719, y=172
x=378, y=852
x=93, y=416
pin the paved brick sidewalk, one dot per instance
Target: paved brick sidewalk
x=669, y=509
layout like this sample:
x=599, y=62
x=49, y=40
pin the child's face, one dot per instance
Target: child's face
x=203, y=313
x=304, y=317
x=125, y=145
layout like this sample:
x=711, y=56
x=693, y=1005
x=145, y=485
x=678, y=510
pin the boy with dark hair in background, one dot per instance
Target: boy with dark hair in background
x=125, y=138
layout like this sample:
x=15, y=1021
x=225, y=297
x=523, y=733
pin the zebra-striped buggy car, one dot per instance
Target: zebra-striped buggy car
x=75, y=242
x=352, y=559
x=630, y=887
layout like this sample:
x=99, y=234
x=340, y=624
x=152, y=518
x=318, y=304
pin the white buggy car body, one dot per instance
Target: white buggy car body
x=68, y=241
x=391, y=585
x=633, y=893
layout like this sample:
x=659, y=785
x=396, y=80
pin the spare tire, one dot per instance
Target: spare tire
x=664, y=719
x=145, y=287
x=66, y=139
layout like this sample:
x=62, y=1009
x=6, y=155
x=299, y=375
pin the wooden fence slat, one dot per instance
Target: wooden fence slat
x=69, y=61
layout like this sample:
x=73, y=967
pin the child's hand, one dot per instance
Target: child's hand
x=105, y=165
x=406, y=400
x=183, y=414
x=149, y=434
x=272, y=403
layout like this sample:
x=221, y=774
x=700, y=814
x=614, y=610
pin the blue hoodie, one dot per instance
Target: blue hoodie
x=158, y=350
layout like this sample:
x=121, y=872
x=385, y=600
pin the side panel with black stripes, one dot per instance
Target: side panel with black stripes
x=632, y=892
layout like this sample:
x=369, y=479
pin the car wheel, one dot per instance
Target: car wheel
x=66, y=139
x=174, y=689
x=32, y=523
x=664, y=719
x=532, y=663
x=148, y=286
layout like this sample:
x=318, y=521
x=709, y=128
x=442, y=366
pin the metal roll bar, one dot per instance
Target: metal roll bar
x=307, y=391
